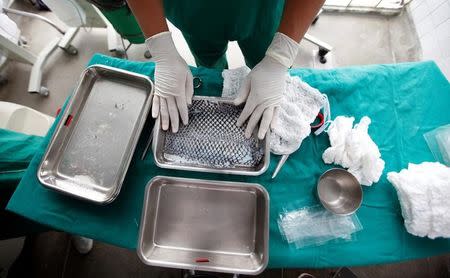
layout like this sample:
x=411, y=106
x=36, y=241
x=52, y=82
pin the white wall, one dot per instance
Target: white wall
x=432, y=20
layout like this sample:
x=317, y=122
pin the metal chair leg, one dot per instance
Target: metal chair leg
x=324, y=47
x=65, y=41
x=34, y=85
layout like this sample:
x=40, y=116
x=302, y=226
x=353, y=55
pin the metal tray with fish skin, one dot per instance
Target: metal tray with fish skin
x=211, y=142
x=92, y=146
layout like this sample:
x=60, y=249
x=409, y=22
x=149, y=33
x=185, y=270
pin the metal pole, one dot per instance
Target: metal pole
x=349, y=3
x=36, y=16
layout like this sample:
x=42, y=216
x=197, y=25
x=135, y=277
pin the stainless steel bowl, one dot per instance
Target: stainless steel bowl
x=339, y=191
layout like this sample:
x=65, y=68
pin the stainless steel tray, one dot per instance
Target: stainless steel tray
x=93, y=144
x=205, y=225
x=211, y=136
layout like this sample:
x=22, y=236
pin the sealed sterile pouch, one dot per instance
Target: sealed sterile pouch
x=313, y=226
x=438, y=141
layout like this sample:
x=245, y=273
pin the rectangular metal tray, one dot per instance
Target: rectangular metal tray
x=89, y=153
x=164, y=161
x=205, y=225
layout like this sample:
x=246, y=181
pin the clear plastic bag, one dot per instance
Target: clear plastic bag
x=438, y=141
x=312, y=226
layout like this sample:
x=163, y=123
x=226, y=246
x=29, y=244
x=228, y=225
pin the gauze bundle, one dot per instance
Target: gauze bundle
x=299, y=107
x=352, y=148
x=423, y=191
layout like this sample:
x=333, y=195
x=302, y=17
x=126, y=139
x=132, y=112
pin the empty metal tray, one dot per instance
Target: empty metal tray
x=92, y=146
x=205, y=225
x=211, y=142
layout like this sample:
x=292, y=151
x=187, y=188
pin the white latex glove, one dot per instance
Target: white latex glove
x=173, y=82
x=264, y=87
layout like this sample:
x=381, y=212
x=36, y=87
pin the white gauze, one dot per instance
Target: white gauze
x=352, y=148
x=423, y=191
x=299, y=107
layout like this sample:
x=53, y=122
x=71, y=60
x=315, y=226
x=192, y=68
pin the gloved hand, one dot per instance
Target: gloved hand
x=263, y=88
x=173, y=82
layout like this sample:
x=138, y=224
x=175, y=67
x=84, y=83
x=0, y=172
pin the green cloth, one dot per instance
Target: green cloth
x=16, y=151
x=208, y=25
x=404, y=101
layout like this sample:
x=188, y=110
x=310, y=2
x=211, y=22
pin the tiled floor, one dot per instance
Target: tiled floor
x=357, y=40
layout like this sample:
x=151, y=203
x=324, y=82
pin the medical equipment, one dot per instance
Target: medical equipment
x=78, y=14
x=205, y=225
x=211, y=142
x=280, y=164
x=423, y=191
x=93, y=144
x=149, y=143
x=438, y=141
x=14, y=50
x=75, y=14
x=339, y=192
x=314, y=226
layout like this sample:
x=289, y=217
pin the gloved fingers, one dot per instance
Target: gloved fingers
x=246, y=112
x=155, y=106
x=276, y=113
x=244, y=91
x=253, y=121
x=173, y=114
x=164, y=113
x=189, y=87
x=182, y=109
x=265, y=122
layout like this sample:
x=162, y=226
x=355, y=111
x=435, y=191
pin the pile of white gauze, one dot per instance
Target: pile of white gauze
x=352, y=148
x=423, y=191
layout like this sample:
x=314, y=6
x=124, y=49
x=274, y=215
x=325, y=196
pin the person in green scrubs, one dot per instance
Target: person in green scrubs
x=267, y=31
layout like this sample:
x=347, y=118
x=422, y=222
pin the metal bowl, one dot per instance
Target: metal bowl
x=339, y=191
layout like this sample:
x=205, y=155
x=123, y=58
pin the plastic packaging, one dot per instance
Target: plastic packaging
x=438, y=141
x=312, y=226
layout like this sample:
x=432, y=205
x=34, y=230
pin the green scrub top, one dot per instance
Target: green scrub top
x=232, y=20
x=208, y=26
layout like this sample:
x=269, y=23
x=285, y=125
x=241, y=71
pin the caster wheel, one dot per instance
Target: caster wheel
x=322, y=53
x=44, y=91
x=147, y=54
x=23, y=40
x=71, y=50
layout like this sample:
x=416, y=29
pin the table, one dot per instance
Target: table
x=403, y=100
